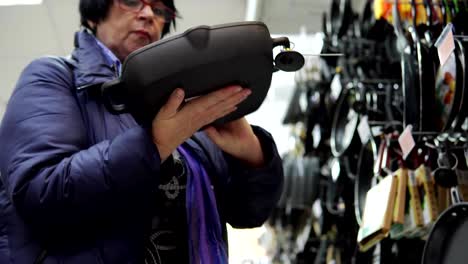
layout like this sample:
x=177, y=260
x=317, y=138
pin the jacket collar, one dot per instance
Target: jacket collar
x=90, y=65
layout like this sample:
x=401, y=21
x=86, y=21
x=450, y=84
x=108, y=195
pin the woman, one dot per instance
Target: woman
x=80, y=185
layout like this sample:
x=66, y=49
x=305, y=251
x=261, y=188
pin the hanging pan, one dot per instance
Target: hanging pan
x=368, y=157
x=427, y=63
x=462, y=84
x=450, y=89
x=341, y=17
x=345, y=123
x=367, y=19
x=447, y=240
x=409, y=70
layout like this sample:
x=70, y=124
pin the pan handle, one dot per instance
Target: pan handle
x=455, y=195
x=106, y=90
x=283, y=41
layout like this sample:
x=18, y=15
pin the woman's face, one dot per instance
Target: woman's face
x=124, y=31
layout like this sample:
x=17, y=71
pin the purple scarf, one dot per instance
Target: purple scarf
x=206, y=244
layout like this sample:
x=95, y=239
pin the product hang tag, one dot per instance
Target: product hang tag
x=364, y=130
x=406, y=141
x=445, y=44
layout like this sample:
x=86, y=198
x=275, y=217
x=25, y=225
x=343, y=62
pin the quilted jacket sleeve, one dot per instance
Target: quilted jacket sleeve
x=246, y=196
x=54, y=179
x=252, y=194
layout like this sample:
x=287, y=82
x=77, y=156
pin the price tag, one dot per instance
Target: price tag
x=364, y=130
x=445, y=44
x=406, y=141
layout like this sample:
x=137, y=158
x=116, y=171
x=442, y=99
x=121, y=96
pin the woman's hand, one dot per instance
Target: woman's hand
x=174, y=124
x=238, y=139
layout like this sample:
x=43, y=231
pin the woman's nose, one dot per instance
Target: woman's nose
x=147, y=12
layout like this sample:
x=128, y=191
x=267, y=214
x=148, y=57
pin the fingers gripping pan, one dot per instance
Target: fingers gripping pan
x=200, y=60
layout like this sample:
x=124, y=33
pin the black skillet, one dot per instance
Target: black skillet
x=463, y=110
x=295, y=113
x=417, y=73
x=409, y=70
x=450, y=89
x=326, y=25
x=446, y=105
x=427, y=63
x=341, y=16
x=447, y=239
x=371, y=153
x=317, y=116
x=345, y=118
x=367, y=18
x=365, y=173
x=386, y=59
x=460, y=19
x=344, y=124
x=328, y=43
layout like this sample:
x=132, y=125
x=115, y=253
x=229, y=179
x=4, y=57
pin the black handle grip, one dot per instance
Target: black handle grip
x=106, y=90
x=281, y=41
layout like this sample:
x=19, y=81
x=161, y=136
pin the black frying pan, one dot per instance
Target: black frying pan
x=341, y=17
x=345, y=123
x=409, y=70
x=447, y=242
x=367, y=19
x=450, y=89
x=365, y=174
x=460, y=92
x=460, y=19
x=421, y=39
x=427, y=64
x=463, y=113
x=326, y=26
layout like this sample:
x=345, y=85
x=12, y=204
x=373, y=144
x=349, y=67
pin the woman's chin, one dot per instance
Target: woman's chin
x=139, y=43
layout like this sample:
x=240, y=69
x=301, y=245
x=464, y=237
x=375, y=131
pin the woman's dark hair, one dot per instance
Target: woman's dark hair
x=97, y=10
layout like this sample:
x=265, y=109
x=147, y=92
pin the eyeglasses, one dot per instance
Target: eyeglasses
x=160, y=11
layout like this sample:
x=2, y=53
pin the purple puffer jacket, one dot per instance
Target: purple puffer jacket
x=76, y=181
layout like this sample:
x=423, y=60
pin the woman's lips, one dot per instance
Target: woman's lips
x=143, y=34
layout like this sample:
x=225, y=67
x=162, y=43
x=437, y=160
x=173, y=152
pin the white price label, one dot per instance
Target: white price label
x=406, y=141
x=445, y=44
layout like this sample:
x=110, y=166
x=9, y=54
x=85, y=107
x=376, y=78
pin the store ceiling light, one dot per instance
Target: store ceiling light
x=19, y=2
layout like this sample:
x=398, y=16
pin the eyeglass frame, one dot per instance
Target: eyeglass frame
x=125, y=7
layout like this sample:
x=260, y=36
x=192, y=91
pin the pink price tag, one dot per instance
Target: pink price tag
x=406, y=141
x=445, y=44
